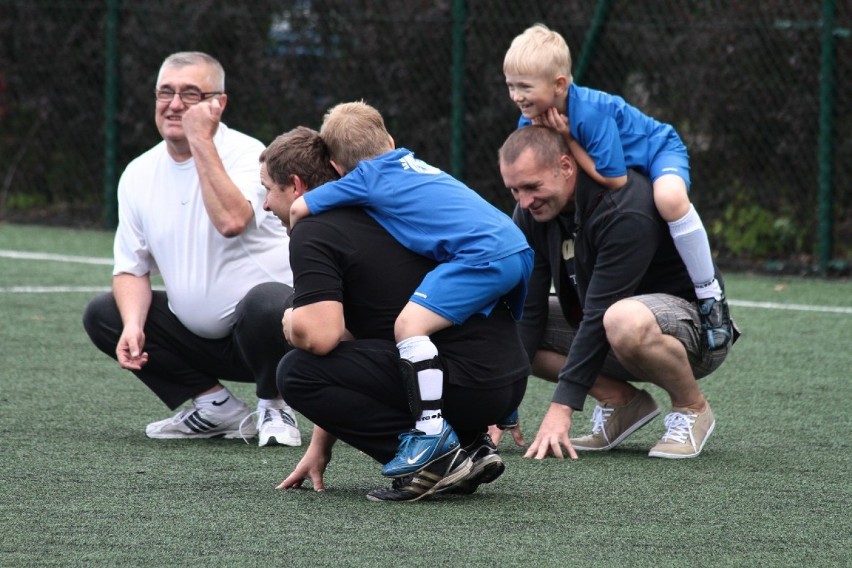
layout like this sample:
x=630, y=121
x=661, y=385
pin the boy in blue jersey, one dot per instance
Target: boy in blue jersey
x=485, y=259
x=607, y=136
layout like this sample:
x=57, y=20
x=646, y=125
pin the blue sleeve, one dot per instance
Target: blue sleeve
x=348, y=191
x=599, y=137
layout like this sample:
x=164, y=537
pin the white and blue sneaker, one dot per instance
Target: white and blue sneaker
x=196, y=423
x=418, y=449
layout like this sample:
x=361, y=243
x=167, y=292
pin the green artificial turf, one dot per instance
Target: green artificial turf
x=83, y=486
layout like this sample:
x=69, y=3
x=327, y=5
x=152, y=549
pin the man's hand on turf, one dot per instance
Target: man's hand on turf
x=553, y=434
x=311, y=467
x=313, y=463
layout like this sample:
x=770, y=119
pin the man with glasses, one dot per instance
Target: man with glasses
x=191, y=210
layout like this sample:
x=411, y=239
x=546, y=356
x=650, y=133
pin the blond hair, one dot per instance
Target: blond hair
x=539, y=51
x=354, y=132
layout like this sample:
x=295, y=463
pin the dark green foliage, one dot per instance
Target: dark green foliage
x=739, y=80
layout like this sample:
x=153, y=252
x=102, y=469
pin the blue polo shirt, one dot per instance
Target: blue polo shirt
x=617, y=135
x=426, y=210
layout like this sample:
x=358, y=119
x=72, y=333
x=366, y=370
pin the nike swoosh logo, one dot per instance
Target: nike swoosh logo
x=220, y=403
x=414, y=460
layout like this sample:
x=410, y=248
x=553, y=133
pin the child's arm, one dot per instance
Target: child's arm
x=559, y=122
x=299, y=210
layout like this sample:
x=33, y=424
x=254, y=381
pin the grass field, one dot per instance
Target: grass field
x=83, y=486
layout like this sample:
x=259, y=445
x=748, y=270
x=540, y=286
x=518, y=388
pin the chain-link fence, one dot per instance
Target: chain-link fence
x=743, y=82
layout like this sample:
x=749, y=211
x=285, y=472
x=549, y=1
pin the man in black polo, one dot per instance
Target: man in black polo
x=351, y=280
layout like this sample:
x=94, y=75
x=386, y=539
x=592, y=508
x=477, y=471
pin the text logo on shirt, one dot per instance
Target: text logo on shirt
x=419, y=166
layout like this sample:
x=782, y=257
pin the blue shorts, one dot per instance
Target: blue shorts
x=676, y=163
x=456, y=291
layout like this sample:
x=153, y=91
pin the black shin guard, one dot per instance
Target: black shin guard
x=408, y=371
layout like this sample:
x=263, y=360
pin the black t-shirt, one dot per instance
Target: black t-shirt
x=343, y=255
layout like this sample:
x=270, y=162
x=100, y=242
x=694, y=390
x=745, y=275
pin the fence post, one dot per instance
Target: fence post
x=458, y=112
x=590, y=42
x=826, y=139
x=110, y=114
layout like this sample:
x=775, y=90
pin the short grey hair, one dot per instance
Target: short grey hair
x=187, y=58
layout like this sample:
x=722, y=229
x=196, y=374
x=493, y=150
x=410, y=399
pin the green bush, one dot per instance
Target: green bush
x=752, y=232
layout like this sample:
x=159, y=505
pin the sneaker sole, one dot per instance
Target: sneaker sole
x=229, y=435
x=624, y=435
x=461, y=472
x=665, y=455
x=480, y=473
x=284, y=441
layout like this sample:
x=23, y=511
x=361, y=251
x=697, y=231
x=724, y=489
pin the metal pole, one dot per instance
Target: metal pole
x=111, y=86
x=826, y=139
x=590, y=42
x=458, y=109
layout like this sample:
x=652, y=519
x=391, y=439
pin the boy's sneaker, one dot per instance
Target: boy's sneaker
x=417, y=449
x=715, y=322
x=197, y=423
x=612, y=424
x=487, y=466
x=510, y=422
x=687, y=433
x=278, y=427
x=440, y=473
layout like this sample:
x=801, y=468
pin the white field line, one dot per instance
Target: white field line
x=108, y=262
x=53, y=289
x=56, y=257
x=797, y=307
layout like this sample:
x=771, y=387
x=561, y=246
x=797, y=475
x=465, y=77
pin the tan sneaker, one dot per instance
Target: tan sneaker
x=612, y=424
x=687, y=434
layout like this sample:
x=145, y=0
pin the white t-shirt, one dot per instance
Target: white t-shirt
x=163, y=228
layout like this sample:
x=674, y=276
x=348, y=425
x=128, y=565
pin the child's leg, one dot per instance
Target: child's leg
x=412, y=329
x=689, y=234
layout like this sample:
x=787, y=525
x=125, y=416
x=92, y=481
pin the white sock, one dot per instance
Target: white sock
x=263, y=403
x=431, y=381
x=219, y=402
x=690, y=238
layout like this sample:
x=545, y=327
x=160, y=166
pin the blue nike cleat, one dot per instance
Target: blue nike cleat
x=417, y=450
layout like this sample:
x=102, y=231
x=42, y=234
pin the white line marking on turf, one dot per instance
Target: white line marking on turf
x=108, y=262
x=53, y=289
x=797, y=307
x=56, y=257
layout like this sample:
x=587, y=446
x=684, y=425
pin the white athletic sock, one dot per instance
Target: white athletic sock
x=219, y=402
x=690, y=238
x=431, y=381
x=263, y=403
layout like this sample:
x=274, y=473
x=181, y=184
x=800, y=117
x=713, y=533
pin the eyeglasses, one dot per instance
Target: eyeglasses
x=186, y=97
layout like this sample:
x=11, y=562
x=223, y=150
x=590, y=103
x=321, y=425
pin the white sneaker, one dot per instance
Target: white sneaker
x=278, y=427
x=195, y=422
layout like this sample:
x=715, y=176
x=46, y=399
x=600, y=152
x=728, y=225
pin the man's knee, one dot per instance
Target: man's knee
x=547, y=364
x=629, y=324
x=292, y=376
x=101, y=319
x=269, y=297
